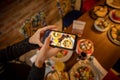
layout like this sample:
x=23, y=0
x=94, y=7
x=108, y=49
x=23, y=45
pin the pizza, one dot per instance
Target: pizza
x=85, y=45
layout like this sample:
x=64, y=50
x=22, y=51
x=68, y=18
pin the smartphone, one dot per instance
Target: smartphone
x=63, y=40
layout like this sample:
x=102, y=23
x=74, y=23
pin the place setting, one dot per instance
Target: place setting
x=100, y=15
x=114, y=31
x=107, y=20
x=87, y=67
x=84, y=68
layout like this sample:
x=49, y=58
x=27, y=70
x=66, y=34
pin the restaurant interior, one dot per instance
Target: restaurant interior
x=95, y=22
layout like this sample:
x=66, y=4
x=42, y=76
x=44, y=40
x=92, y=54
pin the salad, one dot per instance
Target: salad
x=83, y=73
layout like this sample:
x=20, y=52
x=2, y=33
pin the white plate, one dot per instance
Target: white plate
x=100, y=29
x=111, y=39
x=111, y=17
x=53, y=75
x=89, y=52
x=79, y=64
x=63, y=59
x=109, y=2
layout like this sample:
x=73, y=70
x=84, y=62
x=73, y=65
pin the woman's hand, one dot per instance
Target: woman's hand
x=36, y=37
x=45, y=52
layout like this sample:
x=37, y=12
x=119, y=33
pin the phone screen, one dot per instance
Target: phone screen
x=62, y=40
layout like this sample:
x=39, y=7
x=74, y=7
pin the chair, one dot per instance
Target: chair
x=78, y=8
x=69, y=10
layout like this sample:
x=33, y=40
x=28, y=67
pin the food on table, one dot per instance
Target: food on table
x=59, y=66
x=85, y=45
x=115, y=32
x=115, y=2
x=100, y=11
x=61, y=53
x=102, y=24
x=56, y=76
x=83, y=73
x=115, y=14
x=62, y=56
x=52, y=76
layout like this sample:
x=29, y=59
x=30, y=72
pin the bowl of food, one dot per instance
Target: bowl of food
x=54, y=75
x=85, y=45
x=115, y=15
x=63, y=55
x=114, y=34
x=83, y=71
x=113, y=3
x=99, y=11
x=101, y=24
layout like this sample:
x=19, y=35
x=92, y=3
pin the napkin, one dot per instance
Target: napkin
x=78, y=27
x=100, y=70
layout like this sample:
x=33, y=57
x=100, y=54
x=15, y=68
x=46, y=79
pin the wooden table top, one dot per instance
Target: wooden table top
x=106, y=52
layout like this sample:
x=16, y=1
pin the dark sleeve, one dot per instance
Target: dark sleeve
x=16, y=50
x=36, y=73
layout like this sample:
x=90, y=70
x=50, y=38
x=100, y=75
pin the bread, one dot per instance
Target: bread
x=100, y=11
x=57, y=76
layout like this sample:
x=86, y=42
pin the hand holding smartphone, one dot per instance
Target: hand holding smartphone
x=61, y=39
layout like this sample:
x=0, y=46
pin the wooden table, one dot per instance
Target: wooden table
x=106, y=52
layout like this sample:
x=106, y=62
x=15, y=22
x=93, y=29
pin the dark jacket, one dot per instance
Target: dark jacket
x=13, y=52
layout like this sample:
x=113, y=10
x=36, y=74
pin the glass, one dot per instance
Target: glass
x=59, y=66
x=82, y=56
x=59, y=69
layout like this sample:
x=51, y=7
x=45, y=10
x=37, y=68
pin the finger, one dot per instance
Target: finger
x=42, y=30
x=57, y=49
x=48, y=27
x=56, y=29
x=54, y=51
x=40, y=44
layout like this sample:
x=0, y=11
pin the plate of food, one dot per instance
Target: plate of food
x=115, y=15
x=63, y=55
x=99, y=11
x=83, y=71
x=114, y=34
x=54, y=75
x=85, y=45
x=102, y=24
x=113, y=3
